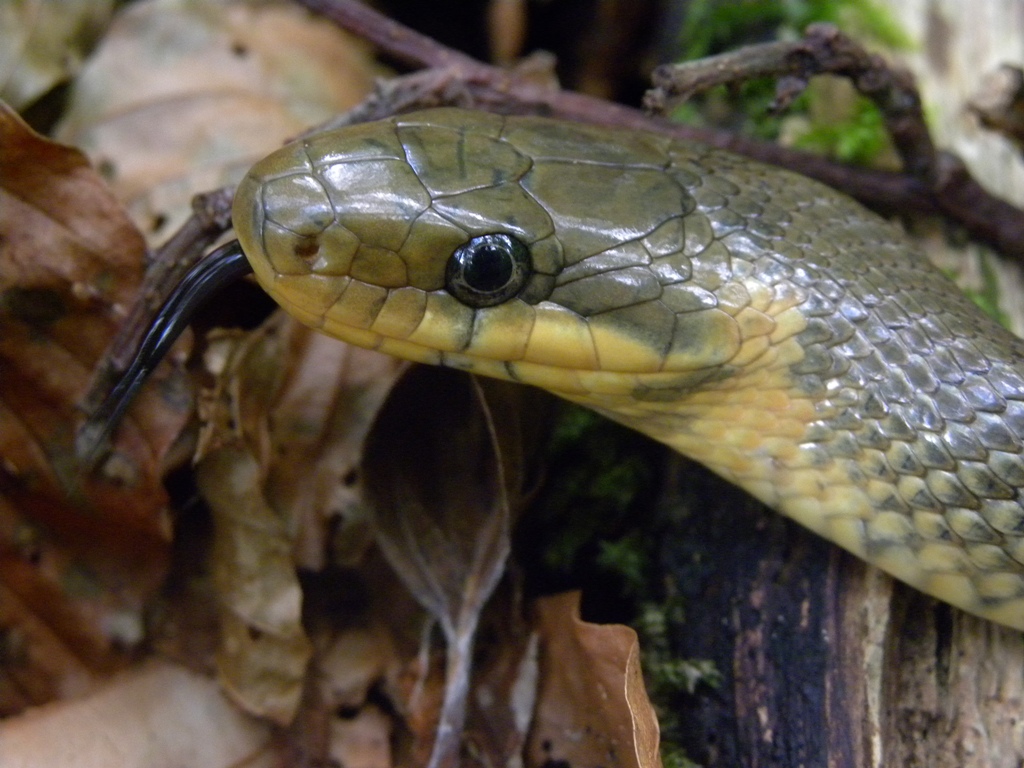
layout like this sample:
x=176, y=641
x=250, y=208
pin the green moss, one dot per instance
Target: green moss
x=713, y=26
x=856, y=135
x=859, y=138
x=594, y=518
x=666, y=675
x=673, y=757
x=599, y=475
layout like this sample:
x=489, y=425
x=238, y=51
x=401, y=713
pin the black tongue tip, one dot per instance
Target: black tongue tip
x=222, y=267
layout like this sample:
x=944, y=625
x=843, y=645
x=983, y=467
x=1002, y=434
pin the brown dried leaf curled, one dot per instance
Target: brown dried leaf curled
x=61, y=226
x=283, y=427
x=592, y=708
x=443, y=469
x=79, y=552
x=264, y=649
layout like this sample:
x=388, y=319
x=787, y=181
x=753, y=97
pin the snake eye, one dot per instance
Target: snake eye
x=487, y=270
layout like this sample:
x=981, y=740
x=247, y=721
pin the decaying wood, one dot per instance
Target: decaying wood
x=827, y=661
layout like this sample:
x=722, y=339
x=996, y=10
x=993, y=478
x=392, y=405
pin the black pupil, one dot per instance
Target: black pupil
x=488, y=270
x=487, y=267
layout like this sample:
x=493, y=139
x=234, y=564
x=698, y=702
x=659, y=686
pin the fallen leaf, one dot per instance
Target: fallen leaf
x=156, y=716
x=184, y=96
x=439, y=502
x=363, y=741
x=42, y=44
x=329, y=397
x=444, y=469
x=353, y=662
x=592, y=707
x=263, y=648
x=505, y=681
x=282, y=432
x=79, y=553
x=62, y=227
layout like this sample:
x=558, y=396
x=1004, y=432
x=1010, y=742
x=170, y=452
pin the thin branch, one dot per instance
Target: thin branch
x=999, y=102
x=397, y=40
x=822, y=50
x=499, y=90
x=211, y=217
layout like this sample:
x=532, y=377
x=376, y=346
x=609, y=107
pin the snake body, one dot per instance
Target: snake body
x=752, y=319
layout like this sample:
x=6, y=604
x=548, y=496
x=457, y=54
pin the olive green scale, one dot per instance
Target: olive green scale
x=752, y=319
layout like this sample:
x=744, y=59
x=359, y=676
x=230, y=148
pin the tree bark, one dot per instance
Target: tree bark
x=827, y=661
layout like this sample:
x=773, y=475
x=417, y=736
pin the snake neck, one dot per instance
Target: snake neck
x=891, y=427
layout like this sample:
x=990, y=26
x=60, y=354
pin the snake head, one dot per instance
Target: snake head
x=524, y=249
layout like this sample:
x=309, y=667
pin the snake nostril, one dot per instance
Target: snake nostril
x=307, y=249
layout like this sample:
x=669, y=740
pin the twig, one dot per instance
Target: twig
x=497, y=90
x=397, y=40
x=823, y=49
x=211, y=217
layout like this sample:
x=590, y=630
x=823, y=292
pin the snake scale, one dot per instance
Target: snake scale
x=752, y=319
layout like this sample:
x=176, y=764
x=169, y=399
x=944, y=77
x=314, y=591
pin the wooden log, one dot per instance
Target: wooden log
x=827, y=661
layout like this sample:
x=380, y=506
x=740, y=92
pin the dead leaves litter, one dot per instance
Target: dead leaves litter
x=259, y=427
x=183, y=96
x=69, y=261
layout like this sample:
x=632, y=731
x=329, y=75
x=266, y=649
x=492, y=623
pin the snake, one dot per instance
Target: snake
x=754, y=320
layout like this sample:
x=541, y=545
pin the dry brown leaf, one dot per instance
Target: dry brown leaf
x=351, y=663
x=62, y=227
x=329, y=397
x=439, y=502
x=419, y=689
x=42, y=44
x=504, y=683
x=263, y=649
x=281, y=436
x=592, y=708
x=443, y=470
x=182, y=96
x=156, y=716
x=78, y=554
